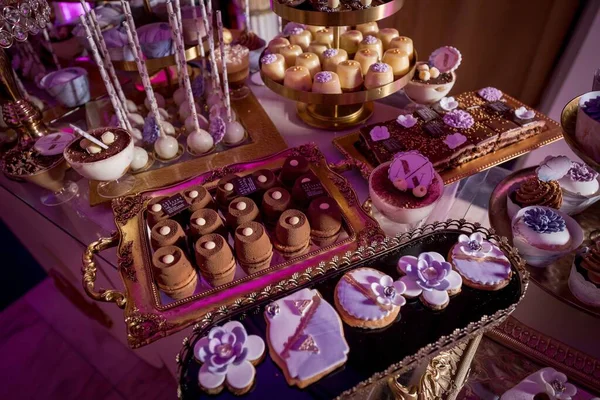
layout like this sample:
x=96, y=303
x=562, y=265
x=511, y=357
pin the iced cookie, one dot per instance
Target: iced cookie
x=429, y=277
x=367, y=298
x=481, y=264
x=305, y=337
x=228, y=356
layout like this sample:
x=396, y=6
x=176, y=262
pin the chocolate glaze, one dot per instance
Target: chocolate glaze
x=76, y=153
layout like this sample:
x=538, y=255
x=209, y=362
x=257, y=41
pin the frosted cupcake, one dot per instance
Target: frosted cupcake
x=379, y=74
x=584, y=280
x=350, y=40
x=332, y=57
x=301, y=37
x=386, y=35
x=273, y=66
x=290, y=53
x=580, y=187
x=326, y=82
x=298, y=78
x=544, y=235
x=350, y=74
x=373, y=43
x=366, y=57
x=310, y=61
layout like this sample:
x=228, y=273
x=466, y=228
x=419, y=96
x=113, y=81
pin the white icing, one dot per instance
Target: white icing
x=294, y=221
x=323, y=332
x=200, y=221
x=210, y=245
x=209, y=379
x=240, y=376
x=276, y=195
x=168, y=259
x=241, y=206
x=247, y=231
x=482, y=272
x=436, y=297
x=294, y=163
x=256, y=347
x=228, y=186
x=165, y=230
x=541, y=240
x=304, y=180
x=193, y=194
x=546, y=381
x=156, y=207
x=262, y=178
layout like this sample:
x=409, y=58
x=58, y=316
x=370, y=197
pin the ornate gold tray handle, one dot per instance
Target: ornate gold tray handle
x=89, y=272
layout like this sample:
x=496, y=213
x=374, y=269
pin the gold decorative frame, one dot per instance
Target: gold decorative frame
x=387, y=377
x=265, y=140
x=147, y=319
x=355, y=159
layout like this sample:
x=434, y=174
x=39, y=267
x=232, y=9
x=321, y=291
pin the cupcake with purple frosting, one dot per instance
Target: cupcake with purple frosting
x=543, y=234
x=587, y=130
x=580, y=187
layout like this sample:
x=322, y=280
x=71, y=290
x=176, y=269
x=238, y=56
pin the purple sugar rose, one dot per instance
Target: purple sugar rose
x=379, y=133
x=217, y=128
x=580, y=172
x=323, y=77
x=544, y=220
x=455, y=140
x=490, y=93
x=430, y=273
x=291, y=27
x=459, y=119
x=296, y=30
x=592, y=108
x=150, y=131
x=224, y=348
x=330, y=53
x=370, y=39
x=269, y=59
x=380, y=67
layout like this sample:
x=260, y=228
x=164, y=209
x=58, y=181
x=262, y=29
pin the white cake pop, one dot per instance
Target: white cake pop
x=167, y=128
x=179, y=96
x=185, y=111
x=166, y=147
x=136, y=120
x=189, y=123
x=137, y=136
x=234, y=133
x=164, y=114
x=160, y=101
x=214, y=98
x=130, y=106
x=200, y=141
x=140, y=158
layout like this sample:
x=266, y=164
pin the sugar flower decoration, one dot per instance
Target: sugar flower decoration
x=592, y=108
x=292, y=27
x=580, y=172
x=406, y=120
x=544, y=220
x=370, y=39
x=455, y=140
x=474, y=245
x=217, y=128
x=379, y=133
x=459, y=119
x=490, y=93
x=379, y=67
x=388, y=291
x=323, y=77
x=150, y=131
x=445, y=59
x=448, y=103
x=330, y=53
x=555, y=385
x=429, y=276
x=553, y=168
x=524, y=113
x=268, y=59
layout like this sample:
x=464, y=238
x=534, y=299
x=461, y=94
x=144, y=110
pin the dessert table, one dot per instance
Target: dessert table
x=57, y=236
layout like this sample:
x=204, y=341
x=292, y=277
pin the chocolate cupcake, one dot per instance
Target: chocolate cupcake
x=198, y=198
x=301, y=198
x=325, y=221
x=534, y=192
x=264, y=179
x=275, y=201
x=292, y=234
x=173, y=272
x=215, y=259
x=167, y=233
x=206, y=221
x=253, y=248
x=242, y=209
x=225, y=191
x=155, y=212
x=292, y=169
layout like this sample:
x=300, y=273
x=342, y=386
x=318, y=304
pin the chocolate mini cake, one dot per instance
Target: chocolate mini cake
x=225, y=191
x=325, y=221
x=215, y=259
x=206, y=221
x=253, y=247
x=242, y=209
x=534, y=192
x=77, y=152
x=292, y=234
x=155, y=212
x=293, y=168
x=275, y=201
x=198, y=198
x=173, y=272
x=264, y=179
x=167, y=233
x=301, y=197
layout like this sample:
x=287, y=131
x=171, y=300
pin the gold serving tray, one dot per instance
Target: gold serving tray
x=265, y=139
x=149, y=317
x=568, y=120
x=354, y=158
x=554, y=278
x=342, y=18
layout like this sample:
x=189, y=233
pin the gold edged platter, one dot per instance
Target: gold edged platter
x=554, y=278
x=568, y=120
x=150, y=314
x=304, y=14
x=376, y=364
x=349, y=146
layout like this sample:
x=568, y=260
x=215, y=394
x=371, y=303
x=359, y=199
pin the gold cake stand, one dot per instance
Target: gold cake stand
x=345, y=110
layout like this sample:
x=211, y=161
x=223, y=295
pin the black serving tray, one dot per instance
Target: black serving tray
x=417, y=333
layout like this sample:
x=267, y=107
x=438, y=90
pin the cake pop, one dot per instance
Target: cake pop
x=234, y=132
x=179, y=96
x=160, y=101
x=166, y=147
x=167, y=127
x=137, y=136
x=184, y=110
x=131, y=106
x=164, y=114
x=200, y=142
x=189, y=123
x=140, y=158
x=136, y=120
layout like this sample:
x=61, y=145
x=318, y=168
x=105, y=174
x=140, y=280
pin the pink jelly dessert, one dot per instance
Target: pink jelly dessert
x=407, y=188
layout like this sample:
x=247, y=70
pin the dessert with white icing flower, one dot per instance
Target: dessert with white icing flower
x=435, y=78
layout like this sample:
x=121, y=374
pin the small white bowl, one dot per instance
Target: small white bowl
x=424, y=93
x=587, y=130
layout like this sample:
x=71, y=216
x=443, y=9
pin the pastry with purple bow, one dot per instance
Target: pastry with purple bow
x=430, y=278
x=480, y=263
x=228, y=356
x=368, y=298
x=305, y=337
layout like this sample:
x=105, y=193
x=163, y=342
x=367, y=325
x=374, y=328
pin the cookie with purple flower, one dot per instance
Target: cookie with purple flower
x=430, y=278
x=228, y=356
x=480, y=263
x=368, y=298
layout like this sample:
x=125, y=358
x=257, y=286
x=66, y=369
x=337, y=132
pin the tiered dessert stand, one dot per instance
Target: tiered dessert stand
x=345, y=110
